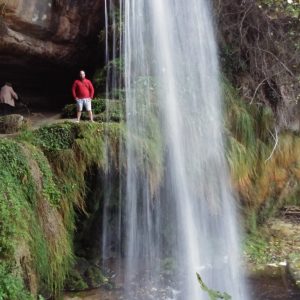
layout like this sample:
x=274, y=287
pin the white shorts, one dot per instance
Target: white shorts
x=86, y=103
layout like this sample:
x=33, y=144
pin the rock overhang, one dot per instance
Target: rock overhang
x=48, y=41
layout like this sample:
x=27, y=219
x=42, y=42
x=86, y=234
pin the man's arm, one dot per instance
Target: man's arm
x=91, y=88
x=74, y=90
x=14, y=95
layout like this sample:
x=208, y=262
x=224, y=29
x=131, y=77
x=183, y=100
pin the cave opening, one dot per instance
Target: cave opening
x=40, y=85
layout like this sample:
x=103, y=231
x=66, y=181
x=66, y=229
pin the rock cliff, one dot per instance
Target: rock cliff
x=48, y=39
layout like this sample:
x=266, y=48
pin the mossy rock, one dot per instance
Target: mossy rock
x=44, y=178
x=75, y=282
x=12, y=123
x=85, y=275
x=95, y=277
x=98, y=106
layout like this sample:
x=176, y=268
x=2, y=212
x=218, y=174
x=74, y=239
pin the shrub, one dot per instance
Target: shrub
x=98, y=106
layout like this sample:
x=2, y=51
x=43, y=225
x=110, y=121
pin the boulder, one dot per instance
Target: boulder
x=12, y=123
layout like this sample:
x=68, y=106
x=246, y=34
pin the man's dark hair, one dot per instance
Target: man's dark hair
x=8, y=84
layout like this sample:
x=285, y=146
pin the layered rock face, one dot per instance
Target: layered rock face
x=43, y=41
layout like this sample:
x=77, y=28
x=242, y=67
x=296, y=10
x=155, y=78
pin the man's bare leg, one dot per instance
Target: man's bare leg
x=78, y=115
x=91, y=115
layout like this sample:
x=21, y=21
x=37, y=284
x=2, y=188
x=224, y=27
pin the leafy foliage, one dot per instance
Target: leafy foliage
x=54, y=137
x=278, y=7
x=114, y=71
x=98, y=106
x=103, y=110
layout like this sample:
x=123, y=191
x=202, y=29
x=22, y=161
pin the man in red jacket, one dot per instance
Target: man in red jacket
x=83, y=93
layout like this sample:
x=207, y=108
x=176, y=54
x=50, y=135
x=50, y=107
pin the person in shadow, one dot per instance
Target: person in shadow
x=8, y=104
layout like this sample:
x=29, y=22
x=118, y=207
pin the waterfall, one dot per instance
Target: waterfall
x=179, y=215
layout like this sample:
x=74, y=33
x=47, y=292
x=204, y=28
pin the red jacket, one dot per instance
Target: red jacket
x=83, y=89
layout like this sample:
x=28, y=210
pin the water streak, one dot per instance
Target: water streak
x=179, y=213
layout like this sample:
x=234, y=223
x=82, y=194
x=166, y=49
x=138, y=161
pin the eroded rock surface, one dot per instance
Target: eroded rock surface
x=44, y=43
x=48, y=29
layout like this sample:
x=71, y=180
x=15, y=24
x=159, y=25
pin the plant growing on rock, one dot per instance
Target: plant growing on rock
x=213, y=295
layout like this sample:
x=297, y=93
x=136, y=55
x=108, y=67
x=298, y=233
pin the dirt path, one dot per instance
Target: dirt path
x=39, y=119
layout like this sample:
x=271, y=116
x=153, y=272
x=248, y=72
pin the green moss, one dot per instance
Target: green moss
x=55, y=137
x=27, y=211
x=75, y=282
x=11, y=285
x=95, y=277
x=257, y=249
x=17, y=193
x=42, y=183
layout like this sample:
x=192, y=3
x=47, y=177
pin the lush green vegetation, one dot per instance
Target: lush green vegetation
x=279, y=7
x=265, y=168
x=99, y=106
x=104, y=110
x=12, y=286
x=264, y=163
x=43, y=172
x=42, y=183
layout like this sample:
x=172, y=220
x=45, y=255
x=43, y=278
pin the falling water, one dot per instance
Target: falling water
x=179, y=213
x=112, y=221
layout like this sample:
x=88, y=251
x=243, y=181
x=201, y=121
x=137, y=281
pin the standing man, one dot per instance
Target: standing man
x=83, y=93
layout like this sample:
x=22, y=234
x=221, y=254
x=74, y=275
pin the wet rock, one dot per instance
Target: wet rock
x=12, y=123
x=85, y=275
x=75, y=282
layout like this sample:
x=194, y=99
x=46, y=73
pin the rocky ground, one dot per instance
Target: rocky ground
x=286, y=233
x=92, y=295
x=10, y=125
x=278, y=245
